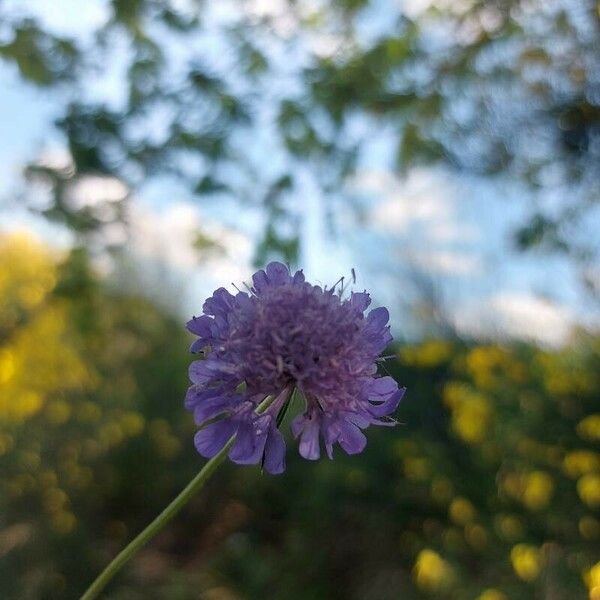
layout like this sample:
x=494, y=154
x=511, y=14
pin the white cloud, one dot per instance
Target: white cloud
x=374, y=181
x=447, y=262
x=325, y=45
x=57, y=158
x=91, y=190
x=164, y=239
x=18, y=218
x=419, y=213
x=516, y=315
x=414, y=8
x=425, y=195
x=161, y=258
x=281, y=17
x=450, y=231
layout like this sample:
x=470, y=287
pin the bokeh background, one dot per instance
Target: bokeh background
x=447, y=150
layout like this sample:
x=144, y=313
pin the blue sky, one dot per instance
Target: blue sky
x=453, y=230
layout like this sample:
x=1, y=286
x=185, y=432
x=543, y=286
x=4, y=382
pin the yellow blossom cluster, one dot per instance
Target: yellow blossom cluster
x=432, y=573
x=38, y=359
x=428, y=354
x=527, y=561
x=472, y=413
x=493, y=366
x=592, y=580
x=534, y=488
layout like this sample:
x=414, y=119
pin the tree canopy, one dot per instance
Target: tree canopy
x=236, y=100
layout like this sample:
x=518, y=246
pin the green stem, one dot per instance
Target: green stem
x=158, y=524
x=260, y=409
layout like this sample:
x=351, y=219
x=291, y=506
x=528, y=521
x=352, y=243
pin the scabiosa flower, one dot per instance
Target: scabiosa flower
x=284, y=335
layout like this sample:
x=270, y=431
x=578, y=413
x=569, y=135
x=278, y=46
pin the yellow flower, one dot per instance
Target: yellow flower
x=417, y=468
x=110, y=434
x=27, y=274
x=54, y=500
x=44, y=363
x=565, y=376
x=538, y=491
x=64, y=522
x=40, y=361
x=132, y=423
x=509, y=527
x=7, y=365
x=592, y=580
x=461, y=511
x=428, y=354
x=471, y=412
x=580, y=462
x=48, y=479
x=432, y=573
x=492, y=594
x=491, y=365
x=58, y=412
x=589, y=428
x=588, y=488
x=526, y=561
x=533, y=489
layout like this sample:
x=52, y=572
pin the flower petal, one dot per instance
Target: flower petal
x=377, y=332
x=378, y=318
x=351, y=439
x=381, y=388
x=199, y=325
x=219, y=304
x=205, y=371
x=260, y=281
x=386, y=395
x=309, y=440
x=213, y=407
x=297, y=425
x=211, y=439
x=360, y=300
x=278, y=274
x=248, y=446
x=298, y=277
x=275, y=452
x=331, y=432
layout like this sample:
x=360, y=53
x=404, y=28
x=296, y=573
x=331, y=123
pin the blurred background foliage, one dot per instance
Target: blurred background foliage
x=490, y=488
x=484, y=87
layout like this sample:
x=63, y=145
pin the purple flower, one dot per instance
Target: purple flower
x=281, y=336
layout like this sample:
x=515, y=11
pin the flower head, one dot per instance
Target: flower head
x=284, y=335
